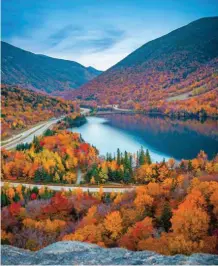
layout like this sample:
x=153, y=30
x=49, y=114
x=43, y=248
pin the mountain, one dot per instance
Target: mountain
x=179, y=66
x=73, y=252
x=44, y=73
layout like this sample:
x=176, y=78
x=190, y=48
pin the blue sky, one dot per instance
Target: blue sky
x=95, y=32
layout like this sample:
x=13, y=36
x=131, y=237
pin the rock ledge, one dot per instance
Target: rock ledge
x=76, y=253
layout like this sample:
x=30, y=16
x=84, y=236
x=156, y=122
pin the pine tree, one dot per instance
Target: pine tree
x=118, y=157
x=42, y=175
x=147, y=157
x=126, y=176
x=16, y=198
x=130, y=164
x=37, y=145
x=35, y=190
x=37, y=175
x=165, y=217
x=49, y=132
x=126, y=159
x=141, y=156
x=4, y=199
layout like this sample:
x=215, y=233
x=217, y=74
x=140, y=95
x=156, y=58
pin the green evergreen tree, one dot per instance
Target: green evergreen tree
x=118, y=175
x=118, y=157
x=23, y=146
x=126, y=176
x=42, y=176
x=141, y=156
x=49, y=132
x=4, y=199
x=47, y=194
x=37, y=145
x=16, y=198
x=130, y=164
x=147, y=157
x=35, y=190
x=165, y=217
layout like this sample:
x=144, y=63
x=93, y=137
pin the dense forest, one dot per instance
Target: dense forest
x=53, y=157
x=170, y=215
x=24, y=108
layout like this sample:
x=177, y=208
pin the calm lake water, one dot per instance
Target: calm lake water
x=163, y=137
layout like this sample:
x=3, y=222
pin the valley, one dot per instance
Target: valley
x=126, y=158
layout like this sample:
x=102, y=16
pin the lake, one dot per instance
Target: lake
x=165, y=138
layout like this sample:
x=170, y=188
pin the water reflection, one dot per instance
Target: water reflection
x=163, y=137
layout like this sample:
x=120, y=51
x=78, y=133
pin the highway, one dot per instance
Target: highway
x=28, y=135
x=84, y=189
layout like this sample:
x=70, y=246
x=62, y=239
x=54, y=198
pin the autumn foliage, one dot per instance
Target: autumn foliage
x=24, y=108
x=178, y=218
x=53, y=158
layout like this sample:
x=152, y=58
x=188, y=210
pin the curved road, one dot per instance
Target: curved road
x=28, y=135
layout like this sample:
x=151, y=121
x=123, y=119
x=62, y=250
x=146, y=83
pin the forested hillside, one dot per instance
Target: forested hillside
x=176, y=73
x=22, y=108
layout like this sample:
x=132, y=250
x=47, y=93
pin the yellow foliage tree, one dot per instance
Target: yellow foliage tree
x=113, y=224
x=193, y=223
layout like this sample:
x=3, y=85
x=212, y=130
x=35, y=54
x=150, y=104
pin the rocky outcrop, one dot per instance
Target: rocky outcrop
x=76, y=253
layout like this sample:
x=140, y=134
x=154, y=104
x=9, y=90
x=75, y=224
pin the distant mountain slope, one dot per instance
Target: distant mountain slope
x=177, y=63
x=29, y=70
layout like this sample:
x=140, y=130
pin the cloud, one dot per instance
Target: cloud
x=100, y=40
x=78, y=38
x=64, y=32
x=85, y=33
x=111, y=37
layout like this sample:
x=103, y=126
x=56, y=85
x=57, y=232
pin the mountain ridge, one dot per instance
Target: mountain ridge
x=167, y=35
x=42, y=72
x=179, y=62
